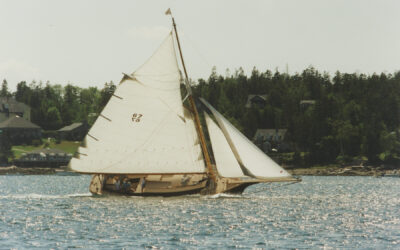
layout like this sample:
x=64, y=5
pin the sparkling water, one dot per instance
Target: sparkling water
x=55, y=211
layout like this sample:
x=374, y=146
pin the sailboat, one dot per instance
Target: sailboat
x=148, y=140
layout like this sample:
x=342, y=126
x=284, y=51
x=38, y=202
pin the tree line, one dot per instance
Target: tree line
x=54, y=106
x=355, y=116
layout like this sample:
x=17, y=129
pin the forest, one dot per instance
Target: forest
x=355, y=117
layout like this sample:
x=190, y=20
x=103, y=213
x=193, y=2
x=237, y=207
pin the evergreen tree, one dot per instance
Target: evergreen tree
x=4, y=89
x=5, y=148
x=353, y=115
x=105, y=95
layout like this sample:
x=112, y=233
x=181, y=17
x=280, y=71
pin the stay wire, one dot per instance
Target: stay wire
x=196, y=49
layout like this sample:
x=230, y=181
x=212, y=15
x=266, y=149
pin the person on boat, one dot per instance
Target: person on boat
x=117, y=183
x=126, y=185
x=142, y=184
x=133, y=185
x=185, y=180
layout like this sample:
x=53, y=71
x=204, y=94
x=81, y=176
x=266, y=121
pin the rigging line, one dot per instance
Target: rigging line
x=192, y=44
x=199, y=130
x=184, y=99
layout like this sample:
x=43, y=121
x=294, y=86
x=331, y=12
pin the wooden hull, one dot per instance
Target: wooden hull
x=149, y=185
x=164, y=193
x=170, y=184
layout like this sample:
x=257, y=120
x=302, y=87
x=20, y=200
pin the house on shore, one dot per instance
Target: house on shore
x=270, y=139
x=305, y=104
x=9, y=107
x=20, y=131
x=74, y=132
x=52, y=158
x=256, y=101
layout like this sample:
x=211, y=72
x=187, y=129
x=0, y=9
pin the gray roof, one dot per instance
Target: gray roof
x=250, y=97
x=47, y=151
x=18, y=122
x=12, y=105
x=269, y=132
x=71, y=127
x=307, y=102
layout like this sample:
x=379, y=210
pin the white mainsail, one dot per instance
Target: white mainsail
x=225, y=160
x=143, y=128
x=248, y=154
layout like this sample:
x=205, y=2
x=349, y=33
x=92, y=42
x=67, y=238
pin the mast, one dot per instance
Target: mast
x=199, y=130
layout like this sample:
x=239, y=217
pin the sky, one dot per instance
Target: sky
x=90, y=42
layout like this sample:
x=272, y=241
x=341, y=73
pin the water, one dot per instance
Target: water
x=52, y=211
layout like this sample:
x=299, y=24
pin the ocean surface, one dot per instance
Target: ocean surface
x=56, y=211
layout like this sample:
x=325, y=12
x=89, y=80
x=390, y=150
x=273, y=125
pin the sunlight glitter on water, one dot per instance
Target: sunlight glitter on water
x=320, y=212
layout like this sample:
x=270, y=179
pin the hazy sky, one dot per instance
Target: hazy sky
x=90, y=42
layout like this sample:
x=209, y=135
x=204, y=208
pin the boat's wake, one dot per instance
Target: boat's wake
x=224, y=196
x=80, y=195
x=44, y=196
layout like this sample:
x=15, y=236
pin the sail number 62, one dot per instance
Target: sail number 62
x=136, y=117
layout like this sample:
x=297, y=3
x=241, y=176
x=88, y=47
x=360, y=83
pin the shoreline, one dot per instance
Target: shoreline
x=11, y=170
x=312, y=171
x=346, y=171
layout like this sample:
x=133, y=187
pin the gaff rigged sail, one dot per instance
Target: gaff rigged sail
x=143, y=128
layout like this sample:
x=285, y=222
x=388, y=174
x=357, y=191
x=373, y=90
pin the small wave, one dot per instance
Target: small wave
x=30, y=196
x=43, y=196
x=80, y=195
x=223, y=195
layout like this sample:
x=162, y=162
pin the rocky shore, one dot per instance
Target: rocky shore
x=316, y=171
x=30, y=171
x=346, y=171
